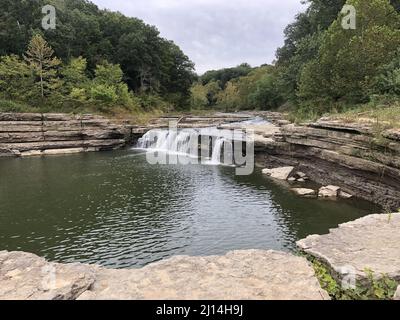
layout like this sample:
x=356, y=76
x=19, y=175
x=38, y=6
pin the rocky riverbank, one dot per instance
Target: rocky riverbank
x=252, y=274
x=355, y=250
x=29, y=134
x=353, y=156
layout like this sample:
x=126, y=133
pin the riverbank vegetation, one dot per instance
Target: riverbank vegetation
x=101, y=61
x=95, y=60
x=322, y=67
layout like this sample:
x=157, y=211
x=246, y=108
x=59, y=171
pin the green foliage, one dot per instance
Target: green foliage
x=267, y=94
x=150, y=64
x=388, y=81
x=223, y=76
x=14, y=75
x=375, y=288
x=348, y=60
x=12, y=106
x=41, y=61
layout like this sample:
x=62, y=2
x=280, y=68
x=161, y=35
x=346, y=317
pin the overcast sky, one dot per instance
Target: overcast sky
x=216, y=33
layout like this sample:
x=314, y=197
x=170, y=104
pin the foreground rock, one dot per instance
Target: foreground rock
x=279, y=173
x=252, y=274
x=371, y=243
x=397, y=295
x=25, y=276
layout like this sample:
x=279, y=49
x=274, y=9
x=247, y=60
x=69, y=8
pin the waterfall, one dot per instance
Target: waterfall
x=184, y=142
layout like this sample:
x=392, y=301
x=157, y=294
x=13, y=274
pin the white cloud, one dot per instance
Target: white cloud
x=216, y=33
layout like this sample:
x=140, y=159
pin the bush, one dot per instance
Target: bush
x=12, y=106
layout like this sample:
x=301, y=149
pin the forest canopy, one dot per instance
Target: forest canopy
x=104, y=61
x=85, y=41
x=321, y=65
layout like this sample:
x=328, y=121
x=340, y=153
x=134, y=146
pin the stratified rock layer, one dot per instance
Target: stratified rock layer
x=333, y=152
x=28, y=134
x=370, y=243
x=252, y=274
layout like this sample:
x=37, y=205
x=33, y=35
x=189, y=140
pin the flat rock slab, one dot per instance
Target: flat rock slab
x=282, y=173
x=25, y=276
x=370, y=243
x=303, y=192
x=252, y=274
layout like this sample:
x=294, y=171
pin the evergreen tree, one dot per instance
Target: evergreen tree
x=41, y=60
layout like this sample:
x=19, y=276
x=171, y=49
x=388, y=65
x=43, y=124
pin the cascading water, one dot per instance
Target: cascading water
x=186, y=142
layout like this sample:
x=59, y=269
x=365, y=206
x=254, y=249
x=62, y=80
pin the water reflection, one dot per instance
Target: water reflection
x=116, y=210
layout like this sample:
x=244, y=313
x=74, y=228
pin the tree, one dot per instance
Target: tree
x=198, y=99
x=267, y=94
x=41, y=60
x=349, y=60
x=15, y=77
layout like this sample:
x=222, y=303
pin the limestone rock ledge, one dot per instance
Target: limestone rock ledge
x=252, y=274
x=33, y=134
x=370, y=243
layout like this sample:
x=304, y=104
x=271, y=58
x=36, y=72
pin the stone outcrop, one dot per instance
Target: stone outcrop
x=282, y=173
x=42, y=134
x=24, y=276
x=303, y=192
x=252, y=274
x=332, y=152
x=329, y=192
x=370, y=243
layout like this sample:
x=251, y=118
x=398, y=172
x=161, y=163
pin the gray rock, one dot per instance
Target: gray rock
x=282, y=173
x=248, y=275
x=300, y=175
x=40, y=134
x=345, y=195
x=304, y=192
x=329, y=192
x=397, y=295
x=24, y=276
x=371, y=243
x=252, y=274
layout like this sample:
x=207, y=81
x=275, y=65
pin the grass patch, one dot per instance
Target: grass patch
x=375, y=288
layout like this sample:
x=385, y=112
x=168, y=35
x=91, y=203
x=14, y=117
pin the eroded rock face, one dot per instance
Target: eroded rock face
x=252, y=274
x=279, y=173
x=31, y=134
x=24, y=276
x=371, y=243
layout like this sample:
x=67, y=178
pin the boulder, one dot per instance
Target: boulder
x=24, y=276
x=282, y=173
x=304, y=192
x=370, y=243
x=329, y=192
x=345, y=195
x=300, y=175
